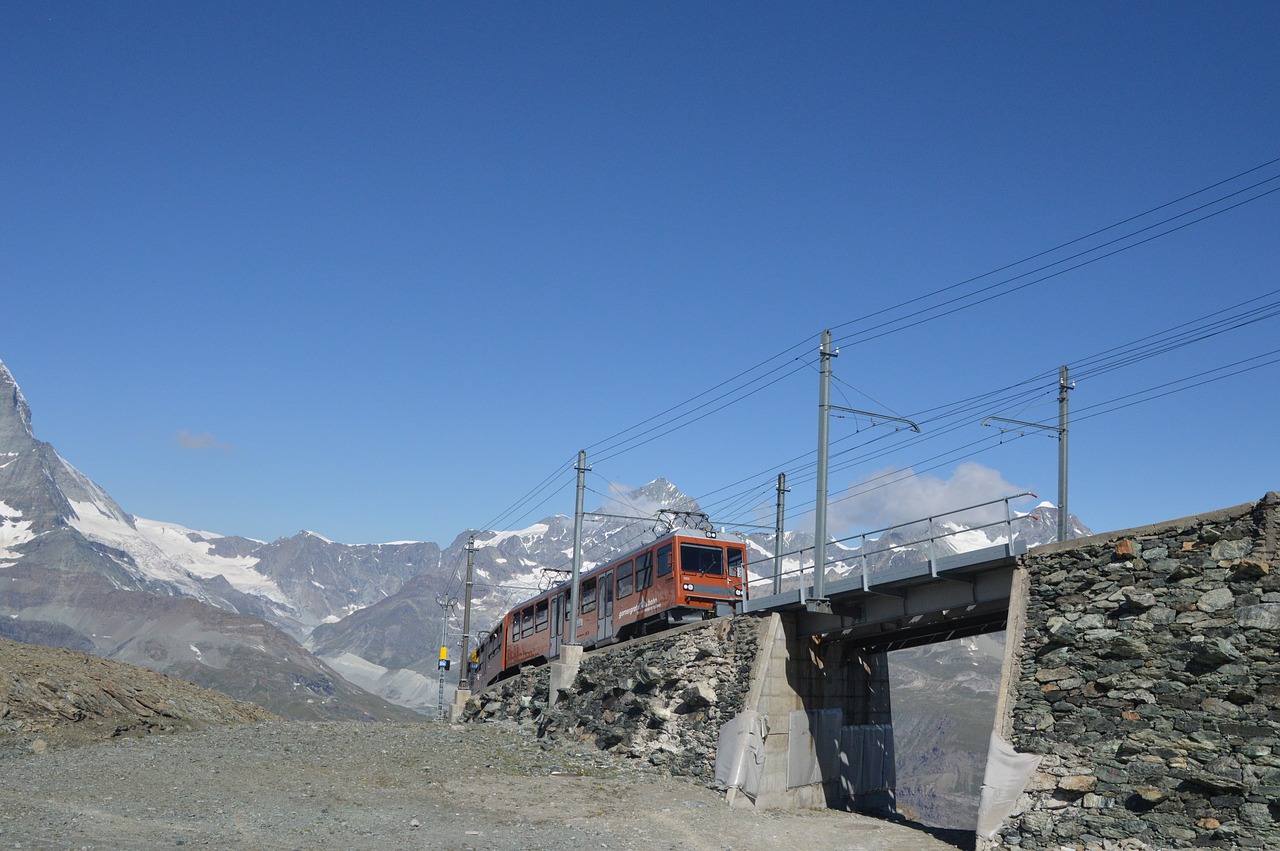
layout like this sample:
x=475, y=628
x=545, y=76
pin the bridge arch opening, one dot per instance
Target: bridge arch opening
x=944, y=698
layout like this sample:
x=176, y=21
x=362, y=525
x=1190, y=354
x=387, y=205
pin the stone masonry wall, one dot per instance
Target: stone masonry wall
x=1150, y=682
x=660, y=699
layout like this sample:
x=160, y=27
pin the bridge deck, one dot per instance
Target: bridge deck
x=911, y=602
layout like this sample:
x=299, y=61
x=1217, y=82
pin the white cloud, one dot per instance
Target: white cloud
x=892, y=497
x=205, y=440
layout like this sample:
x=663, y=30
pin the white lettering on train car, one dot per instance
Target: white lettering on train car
x=642, y=606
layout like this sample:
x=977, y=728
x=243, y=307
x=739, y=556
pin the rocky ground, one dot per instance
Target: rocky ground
x=54, y=696
x=278, y=785
x=94, y=754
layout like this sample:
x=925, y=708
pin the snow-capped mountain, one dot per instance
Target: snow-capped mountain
x=393, y=645
x=77, y=571
x=371, y=611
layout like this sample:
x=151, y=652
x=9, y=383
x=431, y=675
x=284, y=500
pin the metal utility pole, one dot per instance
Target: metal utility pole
x=777, y=537
x=819, y=600
x=1064, y=387
x=464, y=676
x=445, y=604
x=582, y=468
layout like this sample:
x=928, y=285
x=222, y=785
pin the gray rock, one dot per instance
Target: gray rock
x=697, y=696
x=1215, y=600
x=1215, y=651
x=1140, y=600
x=1151, y=794
x=1229, y=550
x=1128, y=647
x=1261, y=616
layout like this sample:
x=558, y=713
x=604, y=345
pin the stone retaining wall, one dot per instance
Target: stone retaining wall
x=661, y=699
x=1149, y=679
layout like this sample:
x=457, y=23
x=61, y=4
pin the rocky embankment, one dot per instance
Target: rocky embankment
x=50, y=696
x=661, y=700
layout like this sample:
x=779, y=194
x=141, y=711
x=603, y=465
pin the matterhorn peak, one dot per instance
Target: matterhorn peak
x=15, y=414
x=647, y=500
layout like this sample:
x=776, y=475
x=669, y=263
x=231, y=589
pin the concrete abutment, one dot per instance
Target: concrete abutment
x=823, y=734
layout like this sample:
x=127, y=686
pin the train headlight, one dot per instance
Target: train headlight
x=687, y=587
x=737, y=592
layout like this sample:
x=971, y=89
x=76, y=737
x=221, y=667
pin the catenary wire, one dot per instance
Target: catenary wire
x=616, y=447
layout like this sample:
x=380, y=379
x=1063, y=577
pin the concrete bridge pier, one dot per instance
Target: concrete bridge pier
x=816, y=730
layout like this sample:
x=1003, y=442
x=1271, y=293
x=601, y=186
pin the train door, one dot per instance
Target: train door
x=605, y=617
x=557, y=625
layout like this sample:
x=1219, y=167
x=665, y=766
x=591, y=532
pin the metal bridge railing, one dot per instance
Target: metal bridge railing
x=793, y=580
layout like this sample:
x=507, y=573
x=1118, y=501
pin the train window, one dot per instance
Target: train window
x=589, y=596
x=625, y=586
x=565, y=605
x=735, y=562
x=540, y=616
x=698, y=558
x=644, y=571
x=515, y=627
x=526, y=623
x=664, y=560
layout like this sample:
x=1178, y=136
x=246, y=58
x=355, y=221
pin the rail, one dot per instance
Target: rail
x=792, y=579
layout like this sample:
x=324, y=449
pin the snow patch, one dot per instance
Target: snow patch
x=12, y=532
x=972, y=539
x=195, y=556
x=533, y=531
x=98, y=523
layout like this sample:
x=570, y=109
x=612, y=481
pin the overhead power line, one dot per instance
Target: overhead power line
x=936, y=304
x=747, y=382
x=1063, y=245
x=916, y=319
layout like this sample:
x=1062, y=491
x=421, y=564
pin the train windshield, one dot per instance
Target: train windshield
x=698, y=558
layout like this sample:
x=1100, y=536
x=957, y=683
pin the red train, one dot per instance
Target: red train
x=679, y=578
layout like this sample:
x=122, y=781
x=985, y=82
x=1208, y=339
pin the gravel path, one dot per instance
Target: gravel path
x=285, y=785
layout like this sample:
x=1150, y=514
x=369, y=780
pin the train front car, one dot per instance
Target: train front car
x=711, y=575
x=678, y=579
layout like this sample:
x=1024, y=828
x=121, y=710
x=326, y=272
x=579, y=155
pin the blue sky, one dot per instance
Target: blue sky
x=378, y=270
